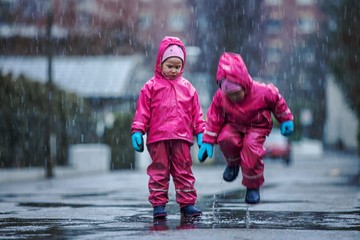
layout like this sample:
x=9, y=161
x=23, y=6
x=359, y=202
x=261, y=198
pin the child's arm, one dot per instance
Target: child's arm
x=281, y=111
x=198, y=117
x=142, y=114
x=215, y=119
x=278, y=105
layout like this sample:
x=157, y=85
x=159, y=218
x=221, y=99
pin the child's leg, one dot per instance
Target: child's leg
x=159, y=174
x=230, y=142
x=180, y=169
x=252, y=165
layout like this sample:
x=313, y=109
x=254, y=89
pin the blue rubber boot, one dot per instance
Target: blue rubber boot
x=190, y=211
x=230, y=173
x=252, y=196
x=159, y=212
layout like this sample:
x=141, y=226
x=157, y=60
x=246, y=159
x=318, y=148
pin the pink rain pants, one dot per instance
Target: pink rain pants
x=171, y=158
x=246, y=150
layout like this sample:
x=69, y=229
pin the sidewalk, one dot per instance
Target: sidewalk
x=304, y=148
x=130, y=182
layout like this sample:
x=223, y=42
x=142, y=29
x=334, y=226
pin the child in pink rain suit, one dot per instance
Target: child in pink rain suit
x=239, y=119
x=169, y=112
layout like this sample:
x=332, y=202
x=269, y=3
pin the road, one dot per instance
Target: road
x=313, y=198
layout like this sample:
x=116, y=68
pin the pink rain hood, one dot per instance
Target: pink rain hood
x=165, y=43
x=168, y=109
x=232, y=67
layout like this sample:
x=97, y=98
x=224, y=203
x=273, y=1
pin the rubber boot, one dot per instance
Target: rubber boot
x=230, y=173
x=190, y=211
x=159, y=212
x=252, y=196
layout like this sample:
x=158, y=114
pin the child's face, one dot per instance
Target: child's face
x=237, y=96
x=171, y=67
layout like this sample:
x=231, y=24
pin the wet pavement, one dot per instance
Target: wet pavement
x=311, y=199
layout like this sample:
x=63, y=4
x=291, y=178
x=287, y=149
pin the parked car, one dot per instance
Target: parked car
x=278, y=147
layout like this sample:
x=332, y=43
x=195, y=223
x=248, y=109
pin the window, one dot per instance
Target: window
x=273, y=54
x=309, y=57
x=273, y=2
x=305, y=2
x=332, y=25
x=144, y=21
x=274, y=51
x=306, y=24
x=176, y=22
x=273, y=26
x=84, y=21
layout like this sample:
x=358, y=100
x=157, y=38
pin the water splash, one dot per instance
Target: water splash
x=247, y=218
x=214, y=210
x=214, y=204
x=214, y=207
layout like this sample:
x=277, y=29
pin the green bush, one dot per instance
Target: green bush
x=24, y=116
x=119, y=139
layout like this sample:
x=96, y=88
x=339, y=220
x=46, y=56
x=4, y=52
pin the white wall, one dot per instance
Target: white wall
x=90, y=157
x=341, y=122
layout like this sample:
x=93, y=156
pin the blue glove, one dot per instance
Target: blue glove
x=137, y=141
x=287, y=128
x=206, y=150
x=199, y=139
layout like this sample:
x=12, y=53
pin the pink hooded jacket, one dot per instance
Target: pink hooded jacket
x=254, y=112
x=168, y=109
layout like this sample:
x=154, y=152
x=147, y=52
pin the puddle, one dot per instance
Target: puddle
x=220, y=211
x=224, y=210
x=140, y=222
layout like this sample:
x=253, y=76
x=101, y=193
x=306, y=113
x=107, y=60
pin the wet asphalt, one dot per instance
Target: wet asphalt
x=314, y=198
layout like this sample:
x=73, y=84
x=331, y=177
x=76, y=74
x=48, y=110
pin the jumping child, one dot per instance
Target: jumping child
x=239, y=119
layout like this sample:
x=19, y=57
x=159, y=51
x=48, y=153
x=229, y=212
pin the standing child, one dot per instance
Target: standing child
x=169, y=112
x=239, y=119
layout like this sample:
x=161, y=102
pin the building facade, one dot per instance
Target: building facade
x=107, y=26
x=287, y=24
